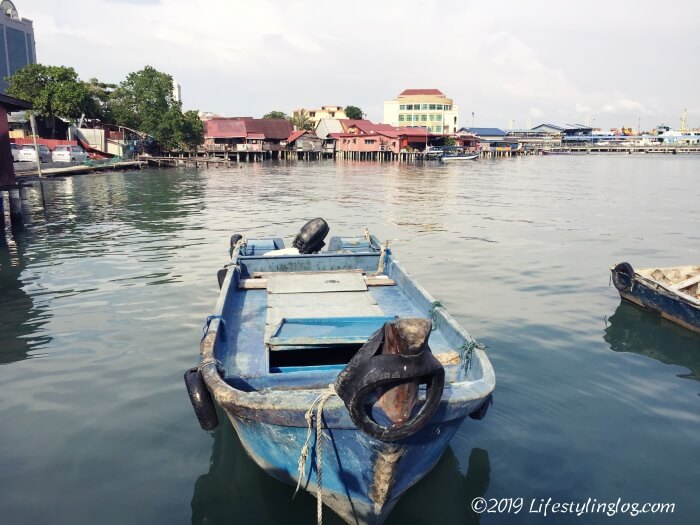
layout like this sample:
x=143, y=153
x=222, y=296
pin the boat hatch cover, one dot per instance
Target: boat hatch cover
x=293, y=333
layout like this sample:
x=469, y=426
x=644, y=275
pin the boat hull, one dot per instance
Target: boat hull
x=660, y=300
x=362, y=478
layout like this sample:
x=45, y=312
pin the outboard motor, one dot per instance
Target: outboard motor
x=310, y=238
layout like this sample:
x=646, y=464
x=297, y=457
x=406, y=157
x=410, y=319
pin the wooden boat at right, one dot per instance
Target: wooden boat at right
x=673, y=293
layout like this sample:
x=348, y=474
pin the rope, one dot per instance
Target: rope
x=466, y=353
x=205, y=328
x=433, y=313
x=240, y=243
x=317, y=405
x=382, y=257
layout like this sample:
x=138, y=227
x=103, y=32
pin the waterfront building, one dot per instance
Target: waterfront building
x=303, y=141
x=427, y=108
x=324, y=112
x=564, y=130
x=17, y=47
x=246, y=135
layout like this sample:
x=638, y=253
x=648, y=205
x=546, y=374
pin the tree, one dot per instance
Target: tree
x=101, y=94
x=192, y=131
x=54, y=91
x=301, y=120
x=275, y=115
x=144, y=102
x=449, y=141
x=353, y=112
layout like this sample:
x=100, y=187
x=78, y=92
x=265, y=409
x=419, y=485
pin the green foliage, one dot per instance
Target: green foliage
x=101, y=94
x=144, y=102
x=449, y=141
x=192, y=130
x=301, y=120
x=54, y=91
x=275, y=115
x=353, y=112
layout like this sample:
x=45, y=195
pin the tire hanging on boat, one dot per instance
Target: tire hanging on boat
x=376, y=368
x=201, y=400
x=232, y=243
x=623, y=277
x=310, y=238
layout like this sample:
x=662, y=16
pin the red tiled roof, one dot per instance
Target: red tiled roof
x=224, y=128
x=409, y=92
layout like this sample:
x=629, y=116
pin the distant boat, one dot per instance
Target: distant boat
x=321, y=361
x=672, y=293
x=450, y=157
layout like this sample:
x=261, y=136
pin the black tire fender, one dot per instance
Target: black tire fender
x=201, y=400
x=232, y=243
x=366, y=372
x=623, y=277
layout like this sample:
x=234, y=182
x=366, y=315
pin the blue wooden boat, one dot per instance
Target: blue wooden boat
x=450, y=157
x=672, y=293
x=339, y=372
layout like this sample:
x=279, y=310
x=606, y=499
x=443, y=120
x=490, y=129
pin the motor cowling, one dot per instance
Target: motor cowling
x=310, y=238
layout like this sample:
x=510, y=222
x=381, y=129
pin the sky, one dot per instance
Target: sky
x=514, y=63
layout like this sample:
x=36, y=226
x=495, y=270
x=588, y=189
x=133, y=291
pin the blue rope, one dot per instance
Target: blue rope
x=205, y=328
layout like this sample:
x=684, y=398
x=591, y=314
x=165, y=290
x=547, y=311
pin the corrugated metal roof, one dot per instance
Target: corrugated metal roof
x=486, y=132
x=297, y=134
x=409, y=92
x=14, y=104
x=272, y=128
x=225, y=128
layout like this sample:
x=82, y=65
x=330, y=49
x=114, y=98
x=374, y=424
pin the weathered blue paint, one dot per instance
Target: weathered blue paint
x=267, y=405
x=657, y=298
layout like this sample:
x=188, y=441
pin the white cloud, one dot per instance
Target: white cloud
x=534, y=59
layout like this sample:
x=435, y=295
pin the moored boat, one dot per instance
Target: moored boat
x=672, y=293
x=449, y=157
x=339, y=372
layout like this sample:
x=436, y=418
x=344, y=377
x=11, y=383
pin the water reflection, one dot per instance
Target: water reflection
x=20, y=320
x=236, y=490
x=631, y=329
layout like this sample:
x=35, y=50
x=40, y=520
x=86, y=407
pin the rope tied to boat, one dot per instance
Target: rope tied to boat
x=205, y=328
x=317, y=406
x=432, y=313
x=382, y=257
x=466, y=353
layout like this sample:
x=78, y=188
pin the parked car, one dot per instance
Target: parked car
x=15, y=151
x=28, y=153
x=69, y=154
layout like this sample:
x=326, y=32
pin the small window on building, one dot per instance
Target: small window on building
x=312, y=114
x=432, y=106
x=408, y=118
x=438, y=106
x=401, y=119
x=424, y=118
x=438, y=118
x=333, y=114
x=424, y=106
x=369, y=141
x=416, y=118
x=402, y=107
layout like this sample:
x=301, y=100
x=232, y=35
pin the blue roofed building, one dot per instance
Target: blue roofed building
x=17, y=47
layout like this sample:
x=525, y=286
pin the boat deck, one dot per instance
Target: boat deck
x=254, y=312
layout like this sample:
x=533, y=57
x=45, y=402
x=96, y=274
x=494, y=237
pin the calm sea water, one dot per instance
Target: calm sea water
x=104, y=296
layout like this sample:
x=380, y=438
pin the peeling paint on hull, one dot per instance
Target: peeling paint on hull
x=348, y=483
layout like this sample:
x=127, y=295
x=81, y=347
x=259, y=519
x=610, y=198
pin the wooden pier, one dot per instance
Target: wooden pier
x=83, y=169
